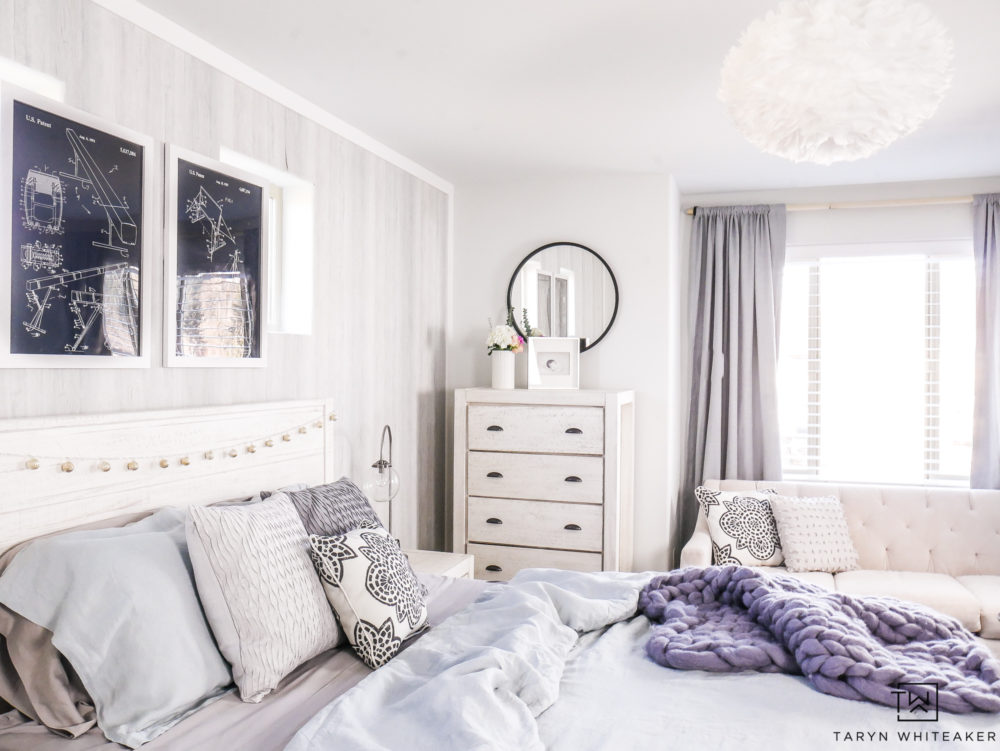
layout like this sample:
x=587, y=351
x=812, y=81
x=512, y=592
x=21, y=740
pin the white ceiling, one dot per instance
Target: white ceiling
x=478, y=90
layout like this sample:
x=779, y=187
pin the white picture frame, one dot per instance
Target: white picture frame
x=241, y=269
x=77, y=293
x=553, y=362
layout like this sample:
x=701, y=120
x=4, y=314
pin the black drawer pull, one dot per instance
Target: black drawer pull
x=495, y=429
x=493, y=567
x=494, y=520
x=574, y=431
x=573, y=527
x=494, y=474
x=573, y=478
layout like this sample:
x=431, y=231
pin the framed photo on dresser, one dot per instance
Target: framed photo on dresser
x=553, y=362
x=216, y=264
x=77, y=231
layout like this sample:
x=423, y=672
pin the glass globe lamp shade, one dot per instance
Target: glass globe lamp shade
x=382, y=483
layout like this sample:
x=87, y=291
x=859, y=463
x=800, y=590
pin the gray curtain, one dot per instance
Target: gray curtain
x=737, y=256
x=986, y=426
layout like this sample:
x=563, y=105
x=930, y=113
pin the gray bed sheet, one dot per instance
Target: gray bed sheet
x=229, y=723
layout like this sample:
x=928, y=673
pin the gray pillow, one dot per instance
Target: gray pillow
x=261, y=595
x=122, y=609
x=334, y=509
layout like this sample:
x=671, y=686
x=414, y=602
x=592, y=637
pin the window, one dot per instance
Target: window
x=876, y=365
x=291, y=215
x=32, y=80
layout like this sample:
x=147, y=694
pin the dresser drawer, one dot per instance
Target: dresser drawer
x=540, y=524
x=549, y=429
x=500, y=562
x=541, y=477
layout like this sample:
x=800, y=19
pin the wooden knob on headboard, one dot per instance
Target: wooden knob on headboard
x=269, y=443
x=209, y=455
x=251, y=449
x=233, y=453
x=318, y=424
x=67, y=467
x=185, y=461
x=164, y=463
x=32, y=463
x=286, y=437
x=302, y=429
x=104, y=466
x=333, y=417
x=132, y=466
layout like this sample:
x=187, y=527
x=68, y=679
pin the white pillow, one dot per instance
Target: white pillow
x=376, y=595
x=741, y=526
x=814, y=534
x=260, y=593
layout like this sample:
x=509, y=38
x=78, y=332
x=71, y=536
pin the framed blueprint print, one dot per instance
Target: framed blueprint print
x=76, y=228
x=216, y=257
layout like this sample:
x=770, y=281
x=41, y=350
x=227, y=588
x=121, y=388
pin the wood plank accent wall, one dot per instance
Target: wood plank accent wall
x=378, y=343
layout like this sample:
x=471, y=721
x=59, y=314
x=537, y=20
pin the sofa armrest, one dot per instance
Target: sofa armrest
x=698, y=550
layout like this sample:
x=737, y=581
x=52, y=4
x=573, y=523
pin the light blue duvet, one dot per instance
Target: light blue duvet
x=556, y=660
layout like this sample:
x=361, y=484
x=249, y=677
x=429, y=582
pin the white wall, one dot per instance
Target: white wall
x=633, y=222
x=380, y=266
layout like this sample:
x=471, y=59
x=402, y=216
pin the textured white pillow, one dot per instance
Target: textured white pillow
x=741, y=526
x=814, y=534
x=260, y=593
x=373, y=590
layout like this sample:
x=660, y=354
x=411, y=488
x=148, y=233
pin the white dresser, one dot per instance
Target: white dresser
x=543, y=478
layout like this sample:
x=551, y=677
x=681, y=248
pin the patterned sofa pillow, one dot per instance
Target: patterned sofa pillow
x=377, y=598
x=741, y=526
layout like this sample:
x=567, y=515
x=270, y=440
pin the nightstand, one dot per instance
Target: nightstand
x=458, y=565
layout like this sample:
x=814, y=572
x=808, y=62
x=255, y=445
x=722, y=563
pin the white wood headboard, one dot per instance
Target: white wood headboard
x=115, y=462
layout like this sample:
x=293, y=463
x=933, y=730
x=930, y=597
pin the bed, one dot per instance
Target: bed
x=553, y=660
x=274, y=444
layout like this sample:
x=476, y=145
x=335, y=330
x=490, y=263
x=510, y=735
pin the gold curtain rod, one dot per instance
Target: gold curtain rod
x=889, y=204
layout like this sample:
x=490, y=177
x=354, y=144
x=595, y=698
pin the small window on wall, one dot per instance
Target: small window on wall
x=876, y=362
x=291, y=218
x=32, y=80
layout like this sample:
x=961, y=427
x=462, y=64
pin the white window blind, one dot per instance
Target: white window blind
x=876, y=364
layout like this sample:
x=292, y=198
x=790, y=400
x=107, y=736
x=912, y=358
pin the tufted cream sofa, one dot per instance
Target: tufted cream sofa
x=936, y=546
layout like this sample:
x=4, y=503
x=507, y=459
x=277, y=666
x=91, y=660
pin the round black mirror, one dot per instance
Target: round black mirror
x=566, y=289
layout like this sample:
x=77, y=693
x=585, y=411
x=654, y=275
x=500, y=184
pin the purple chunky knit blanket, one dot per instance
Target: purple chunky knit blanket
x=729, y=618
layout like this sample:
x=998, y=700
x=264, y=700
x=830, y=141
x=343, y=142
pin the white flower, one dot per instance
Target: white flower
x=503, y=338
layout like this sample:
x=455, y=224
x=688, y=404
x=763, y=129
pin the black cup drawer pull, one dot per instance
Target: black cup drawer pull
x=493, y=567
x=495, y=429
x=574, y=431
x=494, y=474
x=494, y=520
x=573, y=527
x=573, y=478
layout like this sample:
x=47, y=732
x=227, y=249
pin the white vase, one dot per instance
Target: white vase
x=503, y=369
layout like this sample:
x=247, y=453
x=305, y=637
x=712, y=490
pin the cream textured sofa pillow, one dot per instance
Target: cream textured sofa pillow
x=814, y=534
x=260, y=593
x=741, y=526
